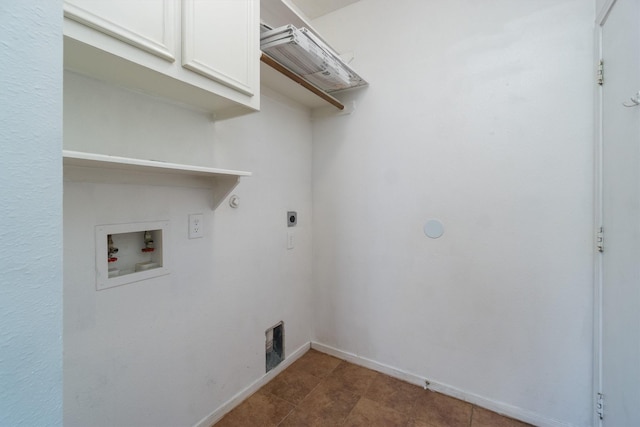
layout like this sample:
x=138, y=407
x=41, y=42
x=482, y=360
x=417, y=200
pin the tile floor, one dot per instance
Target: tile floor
x=320, y=390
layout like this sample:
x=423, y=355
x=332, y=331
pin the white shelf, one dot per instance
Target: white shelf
x=78, y=158
x=125, y=170
x=277, y=13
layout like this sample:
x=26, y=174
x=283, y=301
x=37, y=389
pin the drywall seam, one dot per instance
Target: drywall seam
x=226, y=407
x=492, y=405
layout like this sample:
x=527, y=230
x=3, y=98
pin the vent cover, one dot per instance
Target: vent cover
x=274, y=346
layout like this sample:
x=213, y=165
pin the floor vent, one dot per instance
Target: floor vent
x=274, y=346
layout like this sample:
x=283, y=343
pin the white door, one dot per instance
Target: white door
x=620, y=176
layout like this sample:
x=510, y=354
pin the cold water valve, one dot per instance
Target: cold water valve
x=111, y=250
x=148, y=242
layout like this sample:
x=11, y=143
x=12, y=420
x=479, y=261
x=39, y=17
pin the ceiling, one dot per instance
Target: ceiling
x=316, y=8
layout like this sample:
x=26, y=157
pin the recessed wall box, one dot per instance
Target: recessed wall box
x=127, y=253
x=292, y=218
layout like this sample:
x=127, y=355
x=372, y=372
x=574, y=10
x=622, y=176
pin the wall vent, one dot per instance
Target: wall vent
x=274, y=346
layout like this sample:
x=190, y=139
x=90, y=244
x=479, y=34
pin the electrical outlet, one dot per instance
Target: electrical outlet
x=290, y=239
x=196, y=226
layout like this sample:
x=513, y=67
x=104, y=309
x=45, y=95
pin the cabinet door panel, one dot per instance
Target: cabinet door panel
x=149, y=25
x=220, y=41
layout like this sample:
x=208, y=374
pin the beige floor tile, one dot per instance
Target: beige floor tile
x=321, y=390
x=350, y=377
x=394, y=394
x=315, y=363
x=484, y=418
x=439, y=410
x=322, y=407
x=261, y=409
x=418, y=423
x=292, y=385
x=368, y=413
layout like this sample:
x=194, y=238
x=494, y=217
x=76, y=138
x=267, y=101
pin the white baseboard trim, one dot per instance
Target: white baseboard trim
x=226, y=407
x=492, y=405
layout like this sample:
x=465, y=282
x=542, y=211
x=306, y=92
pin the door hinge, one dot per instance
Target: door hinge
x=600, y=73
x=600, y=405
x=600, y=239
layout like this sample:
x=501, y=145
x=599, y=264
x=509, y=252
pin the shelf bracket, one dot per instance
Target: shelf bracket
x=222, y=187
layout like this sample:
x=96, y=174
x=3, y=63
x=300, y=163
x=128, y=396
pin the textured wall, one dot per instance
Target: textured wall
x=479, y=114
x=31, y=212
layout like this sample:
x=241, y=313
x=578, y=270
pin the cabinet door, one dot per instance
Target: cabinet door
x=149, y=25
x=220, y=41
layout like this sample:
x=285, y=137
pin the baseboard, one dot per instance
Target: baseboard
x=226, y=407
x=492, y=405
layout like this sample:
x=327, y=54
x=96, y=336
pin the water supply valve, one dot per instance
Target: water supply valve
x=111, y=250
x=148, y=242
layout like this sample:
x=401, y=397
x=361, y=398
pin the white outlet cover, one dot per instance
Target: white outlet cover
x=290, y=239
x=196, y=226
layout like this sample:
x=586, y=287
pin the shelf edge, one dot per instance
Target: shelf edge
x=78, y=158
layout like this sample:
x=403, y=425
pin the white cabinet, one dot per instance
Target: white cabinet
x=199, y=52
x=221, y=29
x=155, y=33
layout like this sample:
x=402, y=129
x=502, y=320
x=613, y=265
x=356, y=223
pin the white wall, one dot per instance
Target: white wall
x=479, y=114
x=31, y=212
x=170, y=350
x=600, y=4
